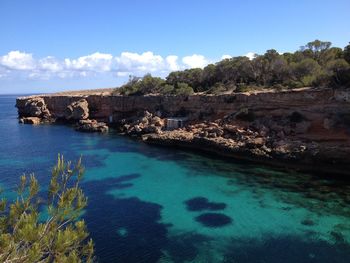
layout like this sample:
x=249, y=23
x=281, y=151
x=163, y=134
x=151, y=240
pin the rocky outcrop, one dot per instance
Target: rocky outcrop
x=77, y=110
x=33, y=107
x=30, y=120
x=91, y=126
x=308, y=127
x=236, y=142
x=142, y=124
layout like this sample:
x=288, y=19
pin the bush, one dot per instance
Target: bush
x=183, y=89
x=294, y=84
x=167, y=89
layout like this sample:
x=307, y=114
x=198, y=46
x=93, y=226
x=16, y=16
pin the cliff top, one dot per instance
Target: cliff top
x=108, y=91
x=84, y=92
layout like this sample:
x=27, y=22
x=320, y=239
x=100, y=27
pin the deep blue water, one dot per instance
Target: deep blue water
x=153, y=204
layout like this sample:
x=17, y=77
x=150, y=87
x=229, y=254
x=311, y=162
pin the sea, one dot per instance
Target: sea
x=155, y=204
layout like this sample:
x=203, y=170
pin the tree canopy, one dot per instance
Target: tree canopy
x=317, y=64
x=37, y=230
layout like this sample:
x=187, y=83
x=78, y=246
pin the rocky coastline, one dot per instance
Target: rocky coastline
x=306, y=129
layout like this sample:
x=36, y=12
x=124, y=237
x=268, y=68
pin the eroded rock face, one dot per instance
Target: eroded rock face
x=266, y=138
x=78, y=110
x=36, y=107
x=307, y=126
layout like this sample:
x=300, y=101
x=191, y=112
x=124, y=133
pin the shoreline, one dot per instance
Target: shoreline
x=306, y=130
x=284, y=165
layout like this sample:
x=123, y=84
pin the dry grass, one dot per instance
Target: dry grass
x=84, y=92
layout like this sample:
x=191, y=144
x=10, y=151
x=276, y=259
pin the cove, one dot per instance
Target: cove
x=152, y=204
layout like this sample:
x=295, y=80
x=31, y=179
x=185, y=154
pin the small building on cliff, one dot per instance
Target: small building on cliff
x=175, y=122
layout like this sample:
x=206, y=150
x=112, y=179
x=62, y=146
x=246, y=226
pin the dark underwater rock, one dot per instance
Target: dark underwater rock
x=307, y=222
x=214, y=220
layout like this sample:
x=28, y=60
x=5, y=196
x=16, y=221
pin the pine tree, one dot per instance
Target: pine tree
x=25, y=236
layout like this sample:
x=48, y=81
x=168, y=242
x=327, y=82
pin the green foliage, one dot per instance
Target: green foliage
x=191, y=77
x=130, y=87
x=183, y=89
x=338, y=69
x=315, y=64
x=305, y=71
x=167, y=89
x=62, y=237
x=142, y=86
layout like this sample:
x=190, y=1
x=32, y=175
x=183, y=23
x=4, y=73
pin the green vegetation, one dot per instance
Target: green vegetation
x=153, y=85
x=316, y=64
x=25, y=236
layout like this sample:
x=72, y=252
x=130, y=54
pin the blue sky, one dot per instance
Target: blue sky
x=62, y=45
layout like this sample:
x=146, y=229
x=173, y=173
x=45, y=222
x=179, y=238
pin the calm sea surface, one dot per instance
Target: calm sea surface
x=152, y=204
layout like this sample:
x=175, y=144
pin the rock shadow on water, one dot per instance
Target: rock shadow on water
x=202, y=203
x=214, y=220
x=93, y=160
x=119, y=182
x=185, y=247
x=288, y=249
x=129, y=145
x=123, y=229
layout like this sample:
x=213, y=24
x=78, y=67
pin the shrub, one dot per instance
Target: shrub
x=183, y=89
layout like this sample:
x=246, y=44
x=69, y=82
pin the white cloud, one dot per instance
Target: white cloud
x=16, y=60
x=50, y=64
x=97, y=62
x=250, y=55
x=195, y=61
x=25, y=65
x=123, y=74
x=134, y=63
x=172, y=62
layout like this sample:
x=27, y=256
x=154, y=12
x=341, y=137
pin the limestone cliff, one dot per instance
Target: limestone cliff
x=308, y=126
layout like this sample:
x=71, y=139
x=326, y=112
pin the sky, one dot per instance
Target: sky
x=55, y=45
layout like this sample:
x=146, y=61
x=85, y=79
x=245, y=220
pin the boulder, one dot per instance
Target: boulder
x=78, y=110
x=157, y=121
x=219, y=132
x=212, y=135
x=91, y=126
x=230, y=128
x=203, y=134
x=147, y=114
x=152, y=129
x=255, y=142
x=144, y=121
x=30, y=120
x=137, y=128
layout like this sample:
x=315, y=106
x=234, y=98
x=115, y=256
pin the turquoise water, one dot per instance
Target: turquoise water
x=153, y=204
